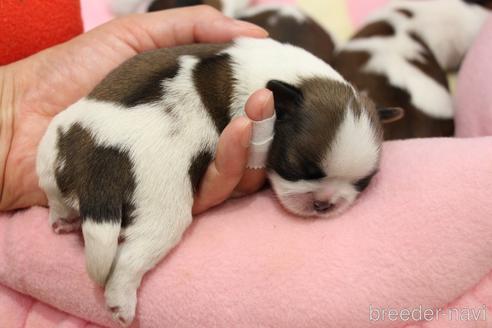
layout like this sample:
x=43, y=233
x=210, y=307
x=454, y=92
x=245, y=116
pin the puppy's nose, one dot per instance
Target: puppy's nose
x=322, y=206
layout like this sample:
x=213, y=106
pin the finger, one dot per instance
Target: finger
x=224, y=173
x=181, y=26
x=259, y=106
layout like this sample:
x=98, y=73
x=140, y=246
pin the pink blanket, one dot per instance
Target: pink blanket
x=421, y=236
x=17, y=310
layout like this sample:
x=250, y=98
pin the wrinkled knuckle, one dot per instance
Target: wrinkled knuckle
x=126, y=21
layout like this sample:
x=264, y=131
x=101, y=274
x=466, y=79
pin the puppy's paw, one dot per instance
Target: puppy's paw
x=65, y=225
x=122, y=306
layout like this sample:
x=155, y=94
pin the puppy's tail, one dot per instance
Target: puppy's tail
x=101, y=244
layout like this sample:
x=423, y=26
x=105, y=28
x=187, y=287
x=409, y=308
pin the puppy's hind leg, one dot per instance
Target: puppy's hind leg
x=62, y=218
x=148, y=240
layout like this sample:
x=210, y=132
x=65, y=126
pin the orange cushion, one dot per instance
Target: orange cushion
x=29, y=26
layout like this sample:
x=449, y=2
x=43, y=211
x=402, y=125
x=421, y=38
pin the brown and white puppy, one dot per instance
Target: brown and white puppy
x=400, y=58
x=289, y=24
x=128, y=157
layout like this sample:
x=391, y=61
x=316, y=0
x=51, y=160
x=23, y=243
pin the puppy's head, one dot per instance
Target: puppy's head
x=326, y=147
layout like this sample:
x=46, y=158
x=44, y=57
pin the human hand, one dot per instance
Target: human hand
x=228, y=172
x=34, y=90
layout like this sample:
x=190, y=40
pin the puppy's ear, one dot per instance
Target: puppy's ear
x=287, y=98
x=390, y=114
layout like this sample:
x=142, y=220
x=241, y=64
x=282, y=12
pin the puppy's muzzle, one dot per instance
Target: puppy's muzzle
x=322, y=207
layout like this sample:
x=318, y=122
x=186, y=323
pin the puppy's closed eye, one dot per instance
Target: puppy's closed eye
x=363, y=183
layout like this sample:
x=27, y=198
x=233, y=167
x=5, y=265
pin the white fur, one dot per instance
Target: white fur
x=297, y=196
x=232, y=8
x=101, y=242
x=254, y=70
x=354, y=151
x=161, y=147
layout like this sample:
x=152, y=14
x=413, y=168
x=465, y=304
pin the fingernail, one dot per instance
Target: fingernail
x=246, y=136
x=247, y=26
x=267, y=107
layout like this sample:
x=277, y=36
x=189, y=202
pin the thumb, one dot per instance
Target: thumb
x=88, y=58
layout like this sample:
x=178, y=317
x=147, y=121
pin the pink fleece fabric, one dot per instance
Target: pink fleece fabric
x=95, y=13
x=474, y=97
x=22, y=311
x=420, y=235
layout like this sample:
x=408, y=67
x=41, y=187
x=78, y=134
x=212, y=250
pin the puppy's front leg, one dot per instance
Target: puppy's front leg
x=146, y=242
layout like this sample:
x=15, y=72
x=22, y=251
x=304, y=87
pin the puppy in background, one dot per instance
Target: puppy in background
x=284, y=23
x=128, y=158
x=290, y=25
x=401, y=55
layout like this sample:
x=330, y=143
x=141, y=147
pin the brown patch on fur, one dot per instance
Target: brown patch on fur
x=405, y=12
x=198, y=167
x=214, y=82
x=326, y=106
x=415, y=123
x=104, y=191
x=308, y=35
x=139, y=79
x=376, y=29
x=301, y=138
x=430, y=66
x=162, y=5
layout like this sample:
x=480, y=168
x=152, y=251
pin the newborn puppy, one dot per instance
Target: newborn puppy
x=400, y=58
x=128, y=157
x=289, y=24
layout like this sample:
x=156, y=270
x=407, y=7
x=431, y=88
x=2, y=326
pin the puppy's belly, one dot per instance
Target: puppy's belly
x=160, y=148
